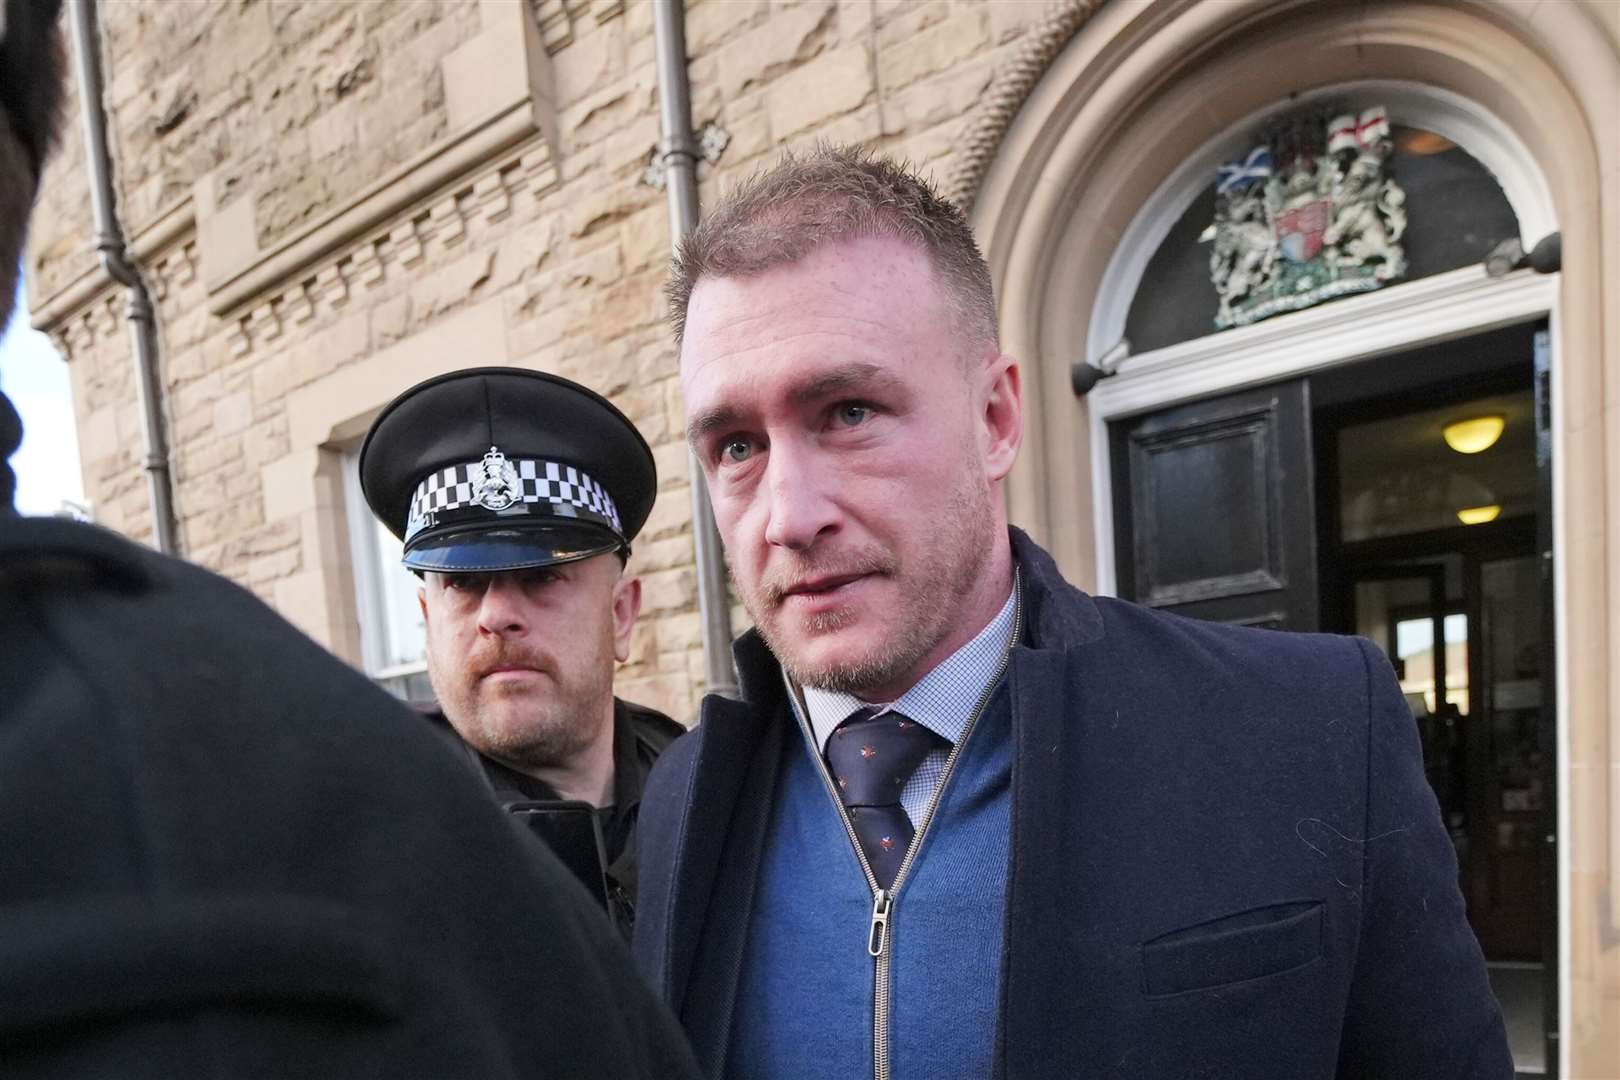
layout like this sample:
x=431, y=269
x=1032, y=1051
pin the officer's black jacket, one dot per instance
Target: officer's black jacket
x=640, y=734
x=193, y=882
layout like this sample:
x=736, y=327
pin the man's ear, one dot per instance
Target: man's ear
x=626, y=606
x=1001, y=423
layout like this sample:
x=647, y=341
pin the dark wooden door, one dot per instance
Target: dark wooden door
x=1507, y=759
x=1214, y=508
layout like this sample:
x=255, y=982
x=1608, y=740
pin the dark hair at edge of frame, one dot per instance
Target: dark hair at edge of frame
x=784, y=212
x=32, y=61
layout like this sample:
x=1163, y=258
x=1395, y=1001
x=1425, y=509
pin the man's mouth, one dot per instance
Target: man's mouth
x=508, y=671
x=824, y=587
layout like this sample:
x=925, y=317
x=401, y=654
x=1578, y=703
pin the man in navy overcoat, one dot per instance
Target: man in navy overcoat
x=968, y=821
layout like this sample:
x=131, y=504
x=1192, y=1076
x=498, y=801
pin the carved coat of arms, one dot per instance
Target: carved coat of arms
x=496, y=486
x=1308, y=215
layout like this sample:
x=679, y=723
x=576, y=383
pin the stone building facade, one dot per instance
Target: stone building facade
x=334, y=199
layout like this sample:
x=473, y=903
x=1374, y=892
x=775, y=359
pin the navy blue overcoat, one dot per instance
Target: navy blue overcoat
x=1225, y=859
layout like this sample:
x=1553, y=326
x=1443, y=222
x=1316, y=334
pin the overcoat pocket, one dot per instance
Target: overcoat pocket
x=1234, y=948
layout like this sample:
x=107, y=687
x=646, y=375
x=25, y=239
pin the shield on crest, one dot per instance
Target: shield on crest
x=1309, y=215
x=1299, y=231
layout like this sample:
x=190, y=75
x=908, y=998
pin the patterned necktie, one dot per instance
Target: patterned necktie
x=872, y=758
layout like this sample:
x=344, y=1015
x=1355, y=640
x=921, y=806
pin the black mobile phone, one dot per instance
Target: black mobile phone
x=570, y=829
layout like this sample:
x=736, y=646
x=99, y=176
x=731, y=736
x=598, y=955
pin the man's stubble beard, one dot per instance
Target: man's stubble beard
x=555, y=728
x=949, y=568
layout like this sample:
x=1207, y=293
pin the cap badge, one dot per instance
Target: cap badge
x=496, y=486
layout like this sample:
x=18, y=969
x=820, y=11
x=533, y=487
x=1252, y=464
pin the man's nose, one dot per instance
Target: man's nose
x=501, y=610
x=801, y=506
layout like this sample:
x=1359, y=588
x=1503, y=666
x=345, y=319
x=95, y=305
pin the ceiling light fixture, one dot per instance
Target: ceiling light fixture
x=1474, y=434
x=1479, y=515
x=1423, y=143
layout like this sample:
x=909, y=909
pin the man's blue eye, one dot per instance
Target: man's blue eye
x=853, y=413
x=737, y=450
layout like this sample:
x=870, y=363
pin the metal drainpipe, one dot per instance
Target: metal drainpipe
x=678, y=151
x=116, y=262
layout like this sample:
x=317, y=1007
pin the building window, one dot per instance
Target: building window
x=393, y=641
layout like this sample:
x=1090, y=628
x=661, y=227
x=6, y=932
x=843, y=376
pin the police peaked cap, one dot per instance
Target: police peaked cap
x=500, y=468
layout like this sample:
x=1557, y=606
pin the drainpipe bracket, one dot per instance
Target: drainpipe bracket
x=705, y=151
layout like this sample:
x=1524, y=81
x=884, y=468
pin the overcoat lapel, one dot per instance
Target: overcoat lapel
x=1047, y=682
x=711, y=995
x=727, y=807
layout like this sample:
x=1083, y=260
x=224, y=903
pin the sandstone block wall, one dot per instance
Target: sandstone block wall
x=337, y=198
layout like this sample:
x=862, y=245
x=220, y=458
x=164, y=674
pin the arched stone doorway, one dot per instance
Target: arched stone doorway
x=1139, y=101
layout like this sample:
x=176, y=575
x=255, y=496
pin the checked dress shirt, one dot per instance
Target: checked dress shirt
x=942, y=701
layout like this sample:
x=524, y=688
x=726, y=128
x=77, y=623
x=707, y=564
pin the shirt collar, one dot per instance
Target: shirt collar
x=942, y=700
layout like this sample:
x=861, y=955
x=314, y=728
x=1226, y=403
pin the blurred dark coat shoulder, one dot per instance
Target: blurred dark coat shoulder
x=192, y=881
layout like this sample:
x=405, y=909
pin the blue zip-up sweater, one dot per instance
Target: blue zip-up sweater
x=805, y=1010
x=1223, y=859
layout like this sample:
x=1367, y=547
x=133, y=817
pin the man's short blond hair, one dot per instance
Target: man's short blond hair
x=782, y=214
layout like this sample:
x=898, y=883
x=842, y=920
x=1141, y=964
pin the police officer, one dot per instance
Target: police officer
x=517, y=495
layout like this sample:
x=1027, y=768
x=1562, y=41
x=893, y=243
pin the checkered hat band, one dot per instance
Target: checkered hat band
x=542, y=487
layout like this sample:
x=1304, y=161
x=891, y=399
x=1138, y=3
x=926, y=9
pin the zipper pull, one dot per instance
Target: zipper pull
x=878, y=937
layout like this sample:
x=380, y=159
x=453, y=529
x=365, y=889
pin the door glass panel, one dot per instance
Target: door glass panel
x=1465, y=464
x=1512, y=642
x=1414, y=648
x=1398, y=607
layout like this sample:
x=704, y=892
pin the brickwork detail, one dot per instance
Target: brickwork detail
x=398, y=246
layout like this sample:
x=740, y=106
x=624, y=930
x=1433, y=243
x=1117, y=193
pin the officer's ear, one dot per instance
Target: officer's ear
x=626, y=606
